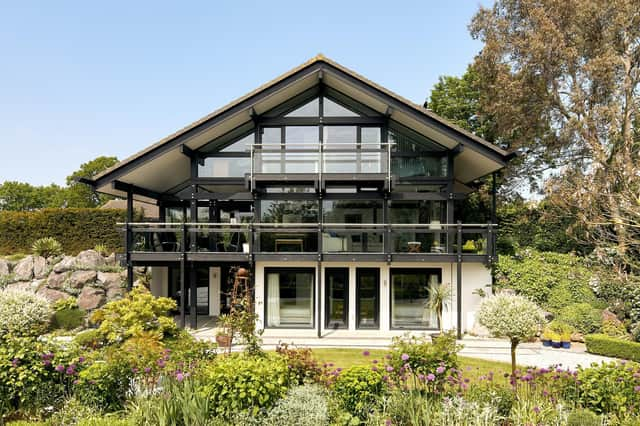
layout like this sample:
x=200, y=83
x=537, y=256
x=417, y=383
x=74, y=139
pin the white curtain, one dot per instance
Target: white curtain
x=273, y=302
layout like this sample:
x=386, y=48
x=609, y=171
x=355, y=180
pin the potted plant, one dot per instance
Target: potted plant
x=469, y=247
x=545, y=338
x=565, y=338
x=439, y=299
x=556, y=341
x=224, y=336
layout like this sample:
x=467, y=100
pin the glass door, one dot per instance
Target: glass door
x=367, y=298
x=202, y=289
x=336, y=297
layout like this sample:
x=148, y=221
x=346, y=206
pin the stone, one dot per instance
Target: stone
x=109, y=279
x=39, y=267
x=91, y=298
x=67, y=263
x=115, y=292
x=110, y=260
x=4, y=267
x=23, y=270
x=56, y=280
x=577, y=337
x=21, y=285
x=89, y=259
x=79, y=279
x=53, y=295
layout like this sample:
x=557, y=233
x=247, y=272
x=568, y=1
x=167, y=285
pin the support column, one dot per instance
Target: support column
x=183, y=297
x=129, y=238
x=193, y=247
x=459, y=279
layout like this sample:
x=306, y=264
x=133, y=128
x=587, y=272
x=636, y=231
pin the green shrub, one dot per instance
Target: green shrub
x=582, y=317
x=68, y=319
x=187, y=349
x=581, y=417
x=90, y=339
x=105, y=382
x=304, y=368
x=302, y=406
x=609, y=387
x=359, y=390
x=139, y=311
x=236, y=382
x=611, y=346
x=614, y=328
x=66, y=303
x=46, y=247
x=23, y=313
x=424, y=357
x=102, y=249
x=489, y=393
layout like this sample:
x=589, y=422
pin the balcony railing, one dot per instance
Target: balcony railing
x=326, y=238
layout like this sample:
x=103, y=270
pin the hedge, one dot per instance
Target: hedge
x=602, y=344
x=75, y=229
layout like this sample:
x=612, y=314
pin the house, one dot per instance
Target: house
x=338, y=195
x=147, y=210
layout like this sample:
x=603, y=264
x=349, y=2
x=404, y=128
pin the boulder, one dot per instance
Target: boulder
x=39, y=267
x=91, y=298
x=110, y=260
x=109, y=279
x=115, y=292
x=23, y=270
x=23, y=285
x=577, y=337
x=56, y=280
x=79, y=279
x=67, y=263
x=4, y=267
x=89, y=259
x=53, y=295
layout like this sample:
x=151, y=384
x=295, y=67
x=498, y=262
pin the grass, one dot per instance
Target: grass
x=344, y=358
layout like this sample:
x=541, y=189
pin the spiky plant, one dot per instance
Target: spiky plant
x=46, y=247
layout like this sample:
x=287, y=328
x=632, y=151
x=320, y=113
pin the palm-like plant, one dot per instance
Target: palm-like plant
x=439, y=300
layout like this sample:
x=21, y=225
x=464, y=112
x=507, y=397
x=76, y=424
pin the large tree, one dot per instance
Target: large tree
x=560, y=79
x=81, y=195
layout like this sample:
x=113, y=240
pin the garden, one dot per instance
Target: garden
x=134, y=366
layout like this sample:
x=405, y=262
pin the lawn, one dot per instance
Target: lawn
x=344, y=358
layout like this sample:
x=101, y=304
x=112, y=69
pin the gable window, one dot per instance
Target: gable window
x=416, y=156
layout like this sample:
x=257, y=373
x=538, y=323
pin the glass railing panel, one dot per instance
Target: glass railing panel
x=352, y=241
x=287, y=241
x=220, y=238
x=157, y=239
x=419, y=241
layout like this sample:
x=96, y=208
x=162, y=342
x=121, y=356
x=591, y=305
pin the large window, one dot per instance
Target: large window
x=429, y=235
x=289, y=297
x=295, y=236
x=416, y=156
x=349, y=237
x=410, y=291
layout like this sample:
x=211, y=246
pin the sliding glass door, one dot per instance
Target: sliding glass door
x=410, y=292
x=290, y=297
x=368, y=298
x=336, y=297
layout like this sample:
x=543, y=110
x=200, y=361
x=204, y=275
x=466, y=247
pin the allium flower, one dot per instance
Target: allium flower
x=59, y=368
x=81, y=359
x=636, y=388
x=179, y=377
x=440, y=370
x=374, y=368
x=147, y=370
x=389, y=368
x=366, y=353
x=375, y=361
x=536, y=409
x=15, y=362
x=405, y=357
x=70, y=371
x=161, y=363
x=47, y=362
x=431, y=377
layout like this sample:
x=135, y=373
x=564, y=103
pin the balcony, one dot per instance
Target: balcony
x=327, y=241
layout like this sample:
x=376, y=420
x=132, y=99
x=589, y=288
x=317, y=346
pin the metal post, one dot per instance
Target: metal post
x=193, y=300
x=129, y=238
x=459, y=279
x=182, y=290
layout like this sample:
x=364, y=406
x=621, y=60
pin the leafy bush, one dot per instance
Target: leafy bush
x=187, y=349
x=90, y=339
x=581, y=417
x=359, y=389
x=551, y=280
x=23, y=313
x=304, y=368
x=46, y=247
x=138, y=312
x=611, y=346
x=235, y=383
x=68, y=319
x=582, y=317
x=102, y=249
x=613, y=327
x=609, y=387
x=106, y=382
x=66, y=303
x=76, y=229
x=302, y=406
x=423, y=356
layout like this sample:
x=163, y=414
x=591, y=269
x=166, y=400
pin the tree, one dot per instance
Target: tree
x=81, y=195
x=513, y=317
x=23, y=196
x=560, y=80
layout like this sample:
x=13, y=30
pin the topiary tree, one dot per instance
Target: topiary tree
x=513, y=317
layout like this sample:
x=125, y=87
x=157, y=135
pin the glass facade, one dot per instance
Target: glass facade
x=289, y=297
x=410, y=290
x=336, y=297
x=294, y=238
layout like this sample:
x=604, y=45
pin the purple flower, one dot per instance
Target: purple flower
x=81, y=359
x=440, y=370
x=134, y=370
x=637, y=388
x=374, y=368
x=388, y=422
x=70, y=370
x=375, y=361
x=46, y=362
x=421, y=377
x=536, y=409
x=59, y=368
x=431, y=377
x=404, y=357
x=389, y=368
x=147, y=370
x=15, y=362
x=366, y=353
x=179, y=377
x=161, y=363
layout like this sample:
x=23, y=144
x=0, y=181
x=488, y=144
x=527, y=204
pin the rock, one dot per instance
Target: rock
x=56, y=280
x=79, y=279
x=91, y=298
x=110, y=260
x=4, y=267
x=22, y=285
x=89, y=259
x=607, y=315
x=52, y=295
x=67, y=263
x=115, y=292
x=23, y=270
x=577, y=337
x=39, y=267
x=109, y=279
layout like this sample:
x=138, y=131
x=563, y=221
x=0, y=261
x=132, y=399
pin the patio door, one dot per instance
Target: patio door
x=336, y=297
x=367, y=298
x=202, y=289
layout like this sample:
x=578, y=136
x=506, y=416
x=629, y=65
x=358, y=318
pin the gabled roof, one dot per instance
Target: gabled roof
x=161, y=166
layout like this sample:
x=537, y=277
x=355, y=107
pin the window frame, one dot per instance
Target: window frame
x=270, y=270
x=428, y=271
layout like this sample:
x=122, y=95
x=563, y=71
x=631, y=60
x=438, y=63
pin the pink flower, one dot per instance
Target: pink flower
x=179, y=377
x=147, y=370
x=59, y=368
x=366, y=353
x=389, y=368
x=430, y=377
x=404, y=357
x=536, y=409
x=440, y=370
x=637, y=388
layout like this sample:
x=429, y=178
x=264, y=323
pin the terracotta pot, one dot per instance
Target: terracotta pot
x=224, y=340
x=242, y=272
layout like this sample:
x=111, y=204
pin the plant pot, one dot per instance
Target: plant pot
x=224, y=340
x=555, y=344
x=434, y=336
x=546, y=342
x=566, y=345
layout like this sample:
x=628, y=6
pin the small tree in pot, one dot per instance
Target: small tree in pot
x=439, y=300
x=513, y=317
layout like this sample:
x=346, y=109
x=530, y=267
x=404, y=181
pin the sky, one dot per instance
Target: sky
x=84, y=79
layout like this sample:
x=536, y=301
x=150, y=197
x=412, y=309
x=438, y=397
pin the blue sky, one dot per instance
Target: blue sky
x=83, y=79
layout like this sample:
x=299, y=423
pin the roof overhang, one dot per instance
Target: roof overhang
x=163, y=165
